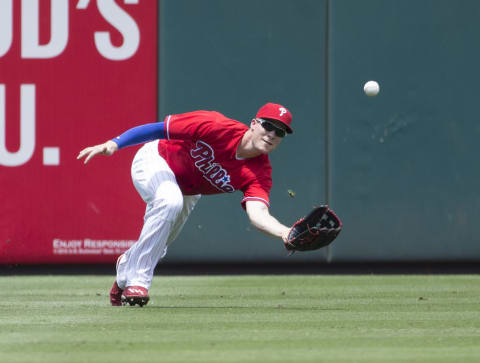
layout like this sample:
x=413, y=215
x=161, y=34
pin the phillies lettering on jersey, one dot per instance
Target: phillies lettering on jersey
x=212, y=172
x=200, y=148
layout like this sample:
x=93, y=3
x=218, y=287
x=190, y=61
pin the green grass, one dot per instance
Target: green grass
x=243, y=319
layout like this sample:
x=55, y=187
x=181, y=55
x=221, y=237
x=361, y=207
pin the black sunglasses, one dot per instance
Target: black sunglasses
x=267, y=125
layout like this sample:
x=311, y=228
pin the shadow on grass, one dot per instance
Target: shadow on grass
x=266, y=268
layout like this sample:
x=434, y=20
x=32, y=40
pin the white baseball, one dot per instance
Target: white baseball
x=371, y=88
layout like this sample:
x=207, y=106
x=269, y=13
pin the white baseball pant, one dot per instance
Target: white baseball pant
x=165, y=215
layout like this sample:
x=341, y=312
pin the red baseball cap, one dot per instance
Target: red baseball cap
x=276, y=112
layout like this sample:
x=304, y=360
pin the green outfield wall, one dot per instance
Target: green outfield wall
x=400, y=168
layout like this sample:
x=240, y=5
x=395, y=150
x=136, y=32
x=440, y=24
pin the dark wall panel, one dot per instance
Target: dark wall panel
x=404, y=164
x=233, y=56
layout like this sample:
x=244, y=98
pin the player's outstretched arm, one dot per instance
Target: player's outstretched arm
x=261, y=219
x=107, y=148
x=134, y=136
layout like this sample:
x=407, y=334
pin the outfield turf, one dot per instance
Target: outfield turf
x=367, y=318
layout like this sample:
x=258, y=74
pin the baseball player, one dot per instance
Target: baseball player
x=183, y=157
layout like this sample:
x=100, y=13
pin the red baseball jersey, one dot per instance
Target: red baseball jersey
x=200, y=148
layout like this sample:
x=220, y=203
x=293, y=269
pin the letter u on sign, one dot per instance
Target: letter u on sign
x=27, y=127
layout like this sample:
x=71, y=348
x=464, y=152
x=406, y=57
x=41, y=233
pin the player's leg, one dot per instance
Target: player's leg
x=144, y=255
x=189, y=202
x=157, y=185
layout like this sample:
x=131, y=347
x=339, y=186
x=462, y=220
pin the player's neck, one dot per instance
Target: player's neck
x=246, y=148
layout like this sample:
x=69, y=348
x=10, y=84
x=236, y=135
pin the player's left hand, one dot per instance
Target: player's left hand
x=318, y=229
x=107, y=148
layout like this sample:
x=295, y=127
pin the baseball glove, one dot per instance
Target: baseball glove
x=316, y=230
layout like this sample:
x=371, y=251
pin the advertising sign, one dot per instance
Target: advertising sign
x=72, y=74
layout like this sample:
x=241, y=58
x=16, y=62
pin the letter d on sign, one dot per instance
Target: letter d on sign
x=27, y=127
x=6, y=26
x=31, y=47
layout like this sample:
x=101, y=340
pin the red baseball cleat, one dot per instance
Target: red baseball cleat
x=116, y=295
x=135, y=295
x=115, y=291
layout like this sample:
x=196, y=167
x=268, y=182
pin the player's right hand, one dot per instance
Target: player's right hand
x=107, y=148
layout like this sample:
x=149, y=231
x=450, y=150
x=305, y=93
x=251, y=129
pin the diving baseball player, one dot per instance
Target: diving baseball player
x=183, y=157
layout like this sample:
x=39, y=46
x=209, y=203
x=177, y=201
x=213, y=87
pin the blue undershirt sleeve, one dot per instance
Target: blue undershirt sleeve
x=140, y=134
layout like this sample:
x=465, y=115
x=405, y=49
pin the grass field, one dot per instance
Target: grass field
x=365, y=318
